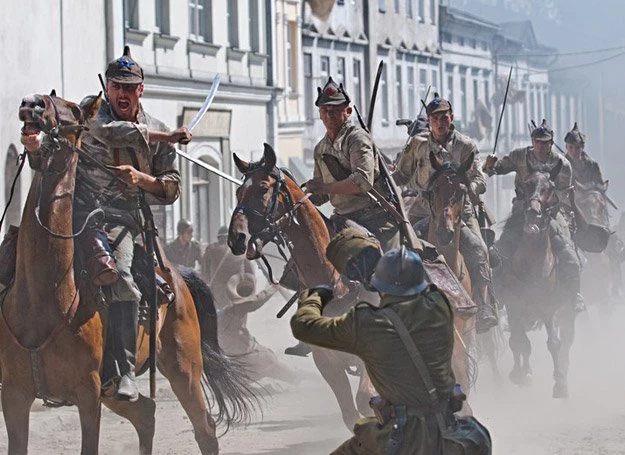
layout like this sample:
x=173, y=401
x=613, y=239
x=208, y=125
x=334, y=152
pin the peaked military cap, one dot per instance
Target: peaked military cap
x=124, y=70
x=575, y=136
x=543, y=132
x=331, y=94
x=438, y=104
x=399, y=272
x=183, y=226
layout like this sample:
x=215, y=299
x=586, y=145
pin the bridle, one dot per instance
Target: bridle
x=445, y=171
x=58, y=139
x=547, y=212
x=273, y=230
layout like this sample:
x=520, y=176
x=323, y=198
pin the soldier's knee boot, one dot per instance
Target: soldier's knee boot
x=99, y=261
x=123, y=320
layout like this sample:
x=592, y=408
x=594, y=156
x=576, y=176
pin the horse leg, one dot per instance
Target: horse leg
x=521, y=349
x=488, y=345
x=333, y=371
x=90, y=412
x=566, y=322
x=555, y=346
x=16, y=410
x=141, y=414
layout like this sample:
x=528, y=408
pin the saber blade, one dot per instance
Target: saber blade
x=207, y=102
x=208, y=167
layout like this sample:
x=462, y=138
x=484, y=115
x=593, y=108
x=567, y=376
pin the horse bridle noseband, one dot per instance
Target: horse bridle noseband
x=274, y=227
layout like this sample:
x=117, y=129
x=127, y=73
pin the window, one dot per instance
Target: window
x=324, y=68
x=433, y=11
x=309, y=89
x=446, y=37
x=290, y=70
x=409, y=12
x=233, y=24
x=396, y=2
x=131, y=13
x=461, y=40
x=450, y=89
x=422, y=10
x=434, y=81
x=486, y=93
x=423, y=80
x=382, y=6
x=475, y=94
x=255, y=20
x=200, y=185
x=161, y=9
x=200, y=17
x=340, y=70
x=385, y=104
x=357, y=84
x=411, y=92
x=398, y=97
x=463, y=99
x=484, y=45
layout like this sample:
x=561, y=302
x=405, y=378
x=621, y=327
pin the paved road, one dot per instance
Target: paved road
x=305, y=420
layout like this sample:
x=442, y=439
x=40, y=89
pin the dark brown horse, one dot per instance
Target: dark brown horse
x=51, y=329
x=597, y=285
x=527, y=284
x=271, y=207
x=448, y=190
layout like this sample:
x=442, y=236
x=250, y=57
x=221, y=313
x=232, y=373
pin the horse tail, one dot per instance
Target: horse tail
x=226, y=378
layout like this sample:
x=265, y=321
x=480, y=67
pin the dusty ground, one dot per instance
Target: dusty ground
x=305, y=420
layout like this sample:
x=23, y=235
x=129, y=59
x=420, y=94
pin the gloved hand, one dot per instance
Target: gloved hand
x=325, y=293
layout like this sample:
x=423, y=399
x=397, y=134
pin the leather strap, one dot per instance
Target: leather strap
x=417, y=360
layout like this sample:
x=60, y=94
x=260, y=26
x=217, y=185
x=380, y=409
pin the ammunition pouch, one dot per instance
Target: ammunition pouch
x=8, y=255
x=98, y=258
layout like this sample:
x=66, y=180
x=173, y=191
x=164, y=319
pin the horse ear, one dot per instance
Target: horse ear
x=605, y=185
x=553, y=173
x=241, y=165
x=435, y=162
x=53, y=92
x=466, y=164
x=269, y=158
x=90, y=105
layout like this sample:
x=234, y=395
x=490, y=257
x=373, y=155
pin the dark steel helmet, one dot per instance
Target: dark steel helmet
x=183, y=226
x=399, y=272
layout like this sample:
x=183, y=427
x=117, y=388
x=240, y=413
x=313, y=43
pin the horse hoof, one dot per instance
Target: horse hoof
x=560, y=390
x=520, y=378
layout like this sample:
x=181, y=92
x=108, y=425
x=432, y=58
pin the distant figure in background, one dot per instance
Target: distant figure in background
x=184, y=250
x=219, y=264
x=234, y=337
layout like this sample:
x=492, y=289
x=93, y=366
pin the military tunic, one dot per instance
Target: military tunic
x=187, y=255
x=365, y=332
x=585, y=170
x=414, y=168
x=356, y=152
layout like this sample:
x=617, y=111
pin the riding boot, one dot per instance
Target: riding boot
x=568, y=270
x=123, y=320
x=98, y=258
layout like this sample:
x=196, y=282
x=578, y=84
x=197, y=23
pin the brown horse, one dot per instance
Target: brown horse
x=527, y=284
x=271, y=207
x=596, y=283
x=52, y=326
x=448, y=190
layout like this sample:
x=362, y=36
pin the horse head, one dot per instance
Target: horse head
x=448, y=189
x=57, y=116
x=592, y=201
x=260, y=202
x=541, y=200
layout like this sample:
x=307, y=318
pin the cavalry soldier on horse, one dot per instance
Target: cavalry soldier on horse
x=414, y=412
x=523, y=161
x=139, y=149
x=585, y=169
x=414, y=167
x=184, y=250
x=350, y=150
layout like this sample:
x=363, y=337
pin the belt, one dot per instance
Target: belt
x=124, y=204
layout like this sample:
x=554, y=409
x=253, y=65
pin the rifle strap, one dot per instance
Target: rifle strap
x=417, y=360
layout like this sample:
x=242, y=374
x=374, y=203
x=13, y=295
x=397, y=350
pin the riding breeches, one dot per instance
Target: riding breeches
x=124, y=289
x=377, y=221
